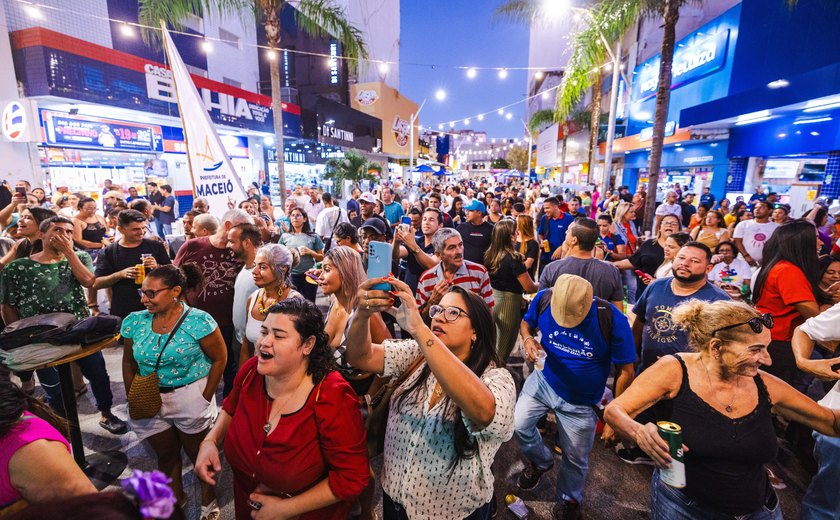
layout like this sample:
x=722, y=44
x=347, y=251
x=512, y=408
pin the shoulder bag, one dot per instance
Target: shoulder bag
x=144, y=395
x=375, y=409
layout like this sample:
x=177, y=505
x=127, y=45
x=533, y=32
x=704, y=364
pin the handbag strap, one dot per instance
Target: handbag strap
x=335, y=225
x=171, y=335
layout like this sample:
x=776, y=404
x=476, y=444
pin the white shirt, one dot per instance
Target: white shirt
x=243, y=287
x=328, y=219
x=826, y=327
x=732, y=274
x=755, y=235
x=669, y=209
x=312, y=209
x=419, y=444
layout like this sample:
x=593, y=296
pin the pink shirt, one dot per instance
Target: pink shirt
x=29, y=429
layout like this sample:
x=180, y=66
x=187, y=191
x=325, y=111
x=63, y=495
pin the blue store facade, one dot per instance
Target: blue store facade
x=761, y=81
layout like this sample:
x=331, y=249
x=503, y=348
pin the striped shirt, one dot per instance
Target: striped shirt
x=471, y=276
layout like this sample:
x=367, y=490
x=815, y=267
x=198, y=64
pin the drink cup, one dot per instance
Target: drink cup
x=539, y=364
x=141, y=274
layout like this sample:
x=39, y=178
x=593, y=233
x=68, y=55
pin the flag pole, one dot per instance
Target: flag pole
x=164, y=35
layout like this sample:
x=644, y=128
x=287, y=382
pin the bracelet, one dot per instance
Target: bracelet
x=525, y=340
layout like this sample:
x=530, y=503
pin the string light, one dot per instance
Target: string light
x=472, y=73
x=440, y=95
x=503, y=73
x=207, y=47
x=480, y=117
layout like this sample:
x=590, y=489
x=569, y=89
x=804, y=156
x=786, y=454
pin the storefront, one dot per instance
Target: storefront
x=105, y=114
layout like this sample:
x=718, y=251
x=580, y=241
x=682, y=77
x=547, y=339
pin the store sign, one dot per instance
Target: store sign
x=547, y=146
x=337, y=134
x=695, y=56
x=647, y=133
x=367, y=97
x=333, y=63
x=402, y=131
x=700, y=159
x=54, y=64
x=14, y=121
x=62, y=129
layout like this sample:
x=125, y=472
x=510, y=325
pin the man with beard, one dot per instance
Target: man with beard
x=654, y=330
x=452, y=270
x=243, y=241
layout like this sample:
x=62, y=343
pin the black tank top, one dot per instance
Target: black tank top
x=93, y=232
x=724, y=466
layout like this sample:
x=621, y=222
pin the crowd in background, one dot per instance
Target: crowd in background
x=719, y=319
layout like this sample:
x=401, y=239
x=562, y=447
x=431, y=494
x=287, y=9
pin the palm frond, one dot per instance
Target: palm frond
x=609, y=20
x=540, y=119
x=323, y=18
x=353, y=167
x=174, y=12
x=521, y=11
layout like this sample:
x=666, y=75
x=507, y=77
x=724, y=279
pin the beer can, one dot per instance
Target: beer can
x=546, y=246
x=673, y=476
x=141, y=274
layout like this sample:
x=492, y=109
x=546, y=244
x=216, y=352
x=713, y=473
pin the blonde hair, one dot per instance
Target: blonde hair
x=348, y=263
x=621, y=209
x=701, y=319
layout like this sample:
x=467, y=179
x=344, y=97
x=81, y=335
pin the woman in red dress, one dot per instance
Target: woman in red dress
x=291, y=427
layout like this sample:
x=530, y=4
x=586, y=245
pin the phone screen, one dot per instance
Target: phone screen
x=406, y=220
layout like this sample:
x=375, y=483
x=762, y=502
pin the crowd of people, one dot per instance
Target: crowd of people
x=719, y=319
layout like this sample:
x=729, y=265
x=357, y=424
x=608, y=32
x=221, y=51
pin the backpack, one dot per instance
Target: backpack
x=605, y=316
x=84, y=331
x=30, y=330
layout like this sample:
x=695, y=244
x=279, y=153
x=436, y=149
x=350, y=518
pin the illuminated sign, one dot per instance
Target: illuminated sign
x=14, y=121
x=333, y=63
x=63, y=129
x=695, y=56
x=647, y=133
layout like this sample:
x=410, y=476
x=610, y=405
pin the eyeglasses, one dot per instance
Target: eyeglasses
x=756, y=324
x=151, y=293
x=450, y=314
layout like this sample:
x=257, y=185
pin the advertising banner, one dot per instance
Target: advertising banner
x=393, y=109
x=63, y=129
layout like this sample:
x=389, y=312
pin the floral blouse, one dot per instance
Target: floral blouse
x=420, y=448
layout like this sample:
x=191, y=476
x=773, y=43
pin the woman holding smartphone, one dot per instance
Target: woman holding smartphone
x=311, y=249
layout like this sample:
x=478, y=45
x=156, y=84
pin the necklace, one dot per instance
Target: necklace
x=262, y=306
x=727, y=407
x=269, y=400
x=168, y=323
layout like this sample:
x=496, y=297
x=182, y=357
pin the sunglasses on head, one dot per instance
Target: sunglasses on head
x=756, y=324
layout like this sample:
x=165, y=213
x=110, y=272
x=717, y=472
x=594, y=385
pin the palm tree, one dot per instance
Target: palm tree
x=352, y=167
x=315, y=17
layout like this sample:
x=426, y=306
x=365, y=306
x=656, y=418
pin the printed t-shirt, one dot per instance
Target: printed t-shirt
x=35, y=288
x=554, y=230
x=578, y=360
x=754, y=236
x=220, y=268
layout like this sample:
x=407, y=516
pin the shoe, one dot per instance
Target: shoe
x=211, y=511
x=634, y=456
x=566, y=511
x=113, y=424
x=530, y=477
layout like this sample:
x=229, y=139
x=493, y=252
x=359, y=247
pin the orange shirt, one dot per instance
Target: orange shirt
x=785, y=285
x=631, y=238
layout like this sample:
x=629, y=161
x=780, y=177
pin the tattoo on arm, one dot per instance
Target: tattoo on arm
x=430, y=342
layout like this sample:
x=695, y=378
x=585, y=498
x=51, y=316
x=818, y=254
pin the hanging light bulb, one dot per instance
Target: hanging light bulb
x=503, y=73
x=480, y=117
x=472, y=73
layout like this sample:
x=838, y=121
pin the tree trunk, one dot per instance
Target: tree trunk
x=671, y=14
x=272, y=32
x=595, y=123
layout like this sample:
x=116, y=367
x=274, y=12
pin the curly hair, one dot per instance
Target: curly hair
x=309, y=322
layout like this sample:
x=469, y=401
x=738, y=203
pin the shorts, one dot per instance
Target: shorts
x=184, y=409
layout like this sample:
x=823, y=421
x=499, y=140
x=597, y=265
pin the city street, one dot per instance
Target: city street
x=614, y=490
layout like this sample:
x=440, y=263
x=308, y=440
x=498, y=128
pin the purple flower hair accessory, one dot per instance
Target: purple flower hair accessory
x=152, y=492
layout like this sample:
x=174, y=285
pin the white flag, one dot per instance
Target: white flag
x=213, y=176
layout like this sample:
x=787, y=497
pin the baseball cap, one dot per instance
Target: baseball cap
x=544, y=192
x=367, y=197
x=375, y=224
x=475, y=205
x=571, y=300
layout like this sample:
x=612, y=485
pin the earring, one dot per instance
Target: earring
x=174, y=299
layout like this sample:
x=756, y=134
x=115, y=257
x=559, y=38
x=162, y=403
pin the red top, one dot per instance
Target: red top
x=631, y=238
x=324, y=439
x=784, y=286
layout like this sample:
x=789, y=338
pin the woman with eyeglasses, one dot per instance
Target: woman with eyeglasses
x=184, y=346
x=722, y=402
x=311, y=249
x=453, y=411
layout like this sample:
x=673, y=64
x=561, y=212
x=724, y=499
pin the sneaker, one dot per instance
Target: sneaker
x=634, y=456
x=566, y=511
x=113, y=424
x=530, y=477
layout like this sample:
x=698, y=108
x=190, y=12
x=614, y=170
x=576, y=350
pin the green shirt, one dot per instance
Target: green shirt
x=298, y=240
x=35, y=288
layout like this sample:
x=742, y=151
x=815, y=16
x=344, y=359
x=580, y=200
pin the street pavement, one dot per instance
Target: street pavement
x=614, y=489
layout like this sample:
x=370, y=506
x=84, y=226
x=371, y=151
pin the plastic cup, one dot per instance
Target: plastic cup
x=539, y=363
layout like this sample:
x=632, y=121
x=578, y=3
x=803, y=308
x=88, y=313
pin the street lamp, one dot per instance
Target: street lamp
x=412, y=119
x=530, y=144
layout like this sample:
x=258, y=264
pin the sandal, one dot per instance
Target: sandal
x=211, y=511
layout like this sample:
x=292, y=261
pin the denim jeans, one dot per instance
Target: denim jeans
x=668, y=503
x=93, y=368
x=393, y=511
x=821, y=500
x=575, y=432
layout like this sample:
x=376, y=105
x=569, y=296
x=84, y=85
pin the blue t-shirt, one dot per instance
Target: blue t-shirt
x=578, y=360
x=393, y=212
x=554, y=230
x=655, y=307
x=183, y=361
x=611, y=241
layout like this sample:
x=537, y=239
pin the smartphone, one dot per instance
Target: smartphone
x=22, y=192
x=641, y=274
x=379, y=263
x=406, y=220
x=312, y=278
